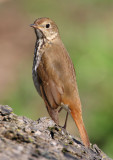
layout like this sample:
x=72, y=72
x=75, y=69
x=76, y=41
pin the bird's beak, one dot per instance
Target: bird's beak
x=33, y=25
x=36, y=26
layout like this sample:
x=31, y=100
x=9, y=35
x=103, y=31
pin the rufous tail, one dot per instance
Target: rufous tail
x=77, y=116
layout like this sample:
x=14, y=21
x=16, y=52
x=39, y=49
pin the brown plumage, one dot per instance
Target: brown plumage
x=54, y=74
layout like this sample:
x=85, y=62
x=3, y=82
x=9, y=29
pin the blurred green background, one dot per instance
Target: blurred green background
x=86, y=28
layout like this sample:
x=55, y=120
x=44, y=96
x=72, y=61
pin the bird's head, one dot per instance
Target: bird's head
x=45, y=28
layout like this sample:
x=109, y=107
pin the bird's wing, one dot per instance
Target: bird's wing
x=36, y=81
x=47, y=99
x=51, y=94
x=50, y=90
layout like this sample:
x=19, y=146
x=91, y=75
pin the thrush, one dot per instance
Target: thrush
x=54, y=75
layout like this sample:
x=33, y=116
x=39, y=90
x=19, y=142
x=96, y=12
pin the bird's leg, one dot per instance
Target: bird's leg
x=60, y=110
x=65, y=124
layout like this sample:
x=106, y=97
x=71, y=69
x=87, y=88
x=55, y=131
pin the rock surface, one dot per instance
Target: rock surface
x=24, y=139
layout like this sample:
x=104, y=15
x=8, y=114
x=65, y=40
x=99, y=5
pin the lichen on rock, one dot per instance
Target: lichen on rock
x=24, y=139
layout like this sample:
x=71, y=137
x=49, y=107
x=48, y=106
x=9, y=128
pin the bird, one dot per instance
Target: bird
x=54, y=75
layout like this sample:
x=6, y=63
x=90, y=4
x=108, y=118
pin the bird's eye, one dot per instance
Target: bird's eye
x=47, y=25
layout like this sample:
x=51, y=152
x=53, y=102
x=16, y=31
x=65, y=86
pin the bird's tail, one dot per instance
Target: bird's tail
x=77, y=117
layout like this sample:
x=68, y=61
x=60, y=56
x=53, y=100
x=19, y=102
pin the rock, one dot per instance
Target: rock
x=5, y=110
x=24, y=139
